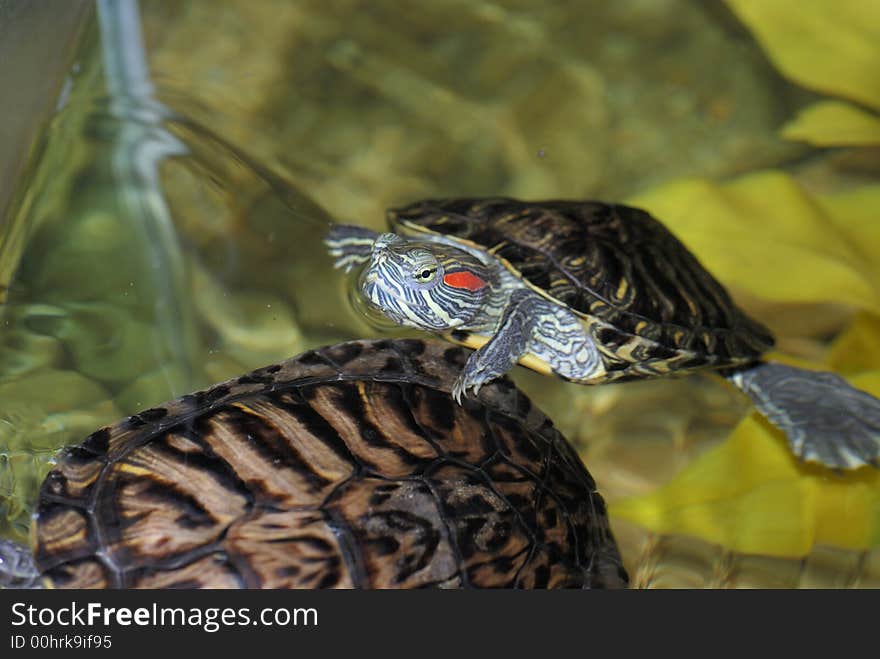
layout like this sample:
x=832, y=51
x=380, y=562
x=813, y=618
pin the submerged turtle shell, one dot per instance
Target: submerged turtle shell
x=349, y=466
x=647, y=295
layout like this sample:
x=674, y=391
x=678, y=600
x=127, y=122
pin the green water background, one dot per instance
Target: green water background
x=289, y=115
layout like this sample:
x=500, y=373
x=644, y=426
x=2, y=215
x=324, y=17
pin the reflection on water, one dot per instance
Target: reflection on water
x=280, y=117
x=114, y=308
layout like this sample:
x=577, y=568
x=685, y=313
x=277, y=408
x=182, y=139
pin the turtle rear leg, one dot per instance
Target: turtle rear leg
x=17, y=567
x=825, y=419
x=350, y=245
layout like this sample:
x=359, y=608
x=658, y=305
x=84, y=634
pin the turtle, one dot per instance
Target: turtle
x=592, y=292
x=348, y=466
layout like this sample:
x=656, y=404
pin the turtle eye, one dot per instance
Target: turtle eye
x=424, y=275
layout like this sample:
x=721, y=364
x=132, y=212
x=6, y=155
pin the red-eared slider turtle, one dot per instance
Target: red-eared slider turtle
x=349, y=466
x=594, y=293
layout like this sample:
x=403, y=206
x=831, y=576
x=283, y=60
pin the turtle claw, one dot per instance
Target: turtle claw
x=471, y=378
x=459, y=389
x=490, y=362
x=456, y=394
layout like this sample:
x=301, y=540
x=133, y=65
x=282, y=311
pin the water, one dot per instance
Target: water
x=140, y=280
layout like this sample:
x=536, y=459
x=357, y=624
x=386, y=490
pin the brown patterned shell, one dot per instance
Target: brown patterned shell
x=612, y=263
x=349, y=466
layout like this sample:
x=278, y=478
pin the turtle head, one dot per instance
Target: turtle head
x=429, y=286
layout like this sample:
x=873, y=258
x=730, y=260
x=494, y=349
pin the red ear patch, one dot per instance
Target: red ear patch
x=464, y=279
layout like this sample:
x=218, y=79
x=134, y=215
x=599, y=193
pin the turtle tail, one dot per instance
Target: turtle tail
x=825, y=419
x=17, y=567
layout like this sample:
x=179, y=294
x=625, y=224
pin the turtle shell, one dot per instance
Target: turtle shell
x=646, y=297
x=348, y=466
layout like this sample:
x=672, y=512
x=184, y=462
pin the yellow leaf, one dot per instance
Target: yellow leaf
x=834, y=123
x=855, y=213
x=833, y=47
x=751, y=495
x=764, y=234
x=857, y=349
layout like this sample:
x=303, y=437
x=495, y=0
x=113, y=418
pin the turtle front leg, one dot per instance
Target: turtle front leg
x=17, y=568
x=350, y=245
x=531, y=324
x=824, y=418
